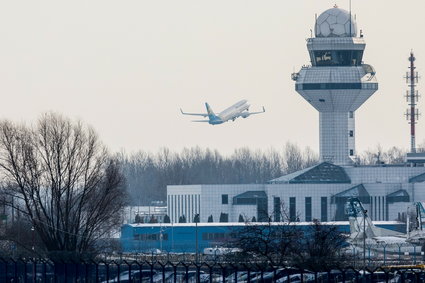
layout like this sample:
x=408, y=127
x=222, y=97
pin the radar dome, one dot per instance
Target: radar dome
x=335, y=22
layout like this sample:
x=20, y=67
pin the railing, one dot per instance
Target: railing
x=41, y=270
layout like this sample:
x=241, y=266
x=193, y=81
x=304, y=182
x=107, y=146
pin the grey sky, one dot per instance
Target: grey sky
x=126, y=67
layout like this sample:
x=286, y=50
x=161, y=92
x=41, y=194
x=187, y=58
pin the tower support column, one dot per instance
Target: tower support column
x=337, y=137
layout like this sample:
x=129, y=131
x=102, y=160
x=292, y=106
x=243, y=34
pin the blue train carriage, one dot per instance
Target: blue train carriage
x=189, y=237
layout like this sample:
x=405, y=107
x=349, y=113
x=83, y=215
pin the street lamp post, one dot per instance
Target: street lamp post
x=364, y=238
x=160, y=236
x=196, y=243
x=32, y=238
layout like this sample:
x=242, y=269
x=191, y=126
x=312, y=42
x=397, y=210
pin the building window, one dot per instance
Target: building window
x=385, y=202
x=324, y=209
x=277, y=209
x=150, y=237
x=224, y=199
x=308, y=209
x=383, y=208
x=292, y=209
x=175, y=208
x=168, y=204
x=215, y=236
x=351, y=114
x=351, y=134
x=317, y=86
x=351, y=152
x=338, y=57
x=375, y=206
x=179, y=212
x=185, y=205
x=191, y=207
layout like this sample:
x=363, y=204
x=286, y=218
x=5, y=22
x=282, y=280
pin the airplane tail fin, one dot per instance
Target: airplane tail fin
x=210, y=112
x=361, y=224
x=209, y=109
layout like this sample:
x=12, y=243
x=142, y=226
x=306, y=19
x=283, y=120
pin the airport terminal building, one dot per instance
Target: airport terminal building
x=319, y=192
x=336, y=84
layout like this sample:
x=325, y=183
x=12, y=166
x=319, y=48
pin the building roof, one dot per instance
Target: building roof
x=323, y=173
x=250, y=197
x=398, y=196
x=252, y=194
x=358, y=191
x=212, y=224
x=417, y=179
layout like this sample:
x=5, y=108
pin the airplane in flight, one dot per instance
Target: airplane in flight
x=239, y=109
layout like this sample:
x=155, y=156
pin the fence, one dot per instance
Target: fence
x=39, y=270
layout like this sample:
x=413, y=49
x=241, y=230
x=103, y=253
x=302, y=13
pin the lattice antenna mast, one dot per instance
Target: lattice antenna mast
x=412, y=96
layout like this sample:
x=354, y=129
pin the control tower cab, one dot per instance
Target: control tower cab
x=337, y=83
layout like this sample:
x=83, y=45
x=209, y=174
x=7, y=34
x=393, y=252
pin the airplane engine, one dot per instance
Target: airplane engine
x=244, y=115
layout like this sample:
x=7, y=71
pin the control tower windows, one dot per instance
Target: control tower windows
x=338, y=58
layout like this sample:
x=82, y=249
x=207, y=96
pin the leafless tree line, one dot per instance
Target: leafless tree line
x=378, y=155
x=148, y=174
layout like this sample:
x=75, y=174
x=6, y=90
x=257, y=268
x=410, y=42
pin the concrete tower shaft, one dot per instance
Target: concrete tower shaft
x=337, y=83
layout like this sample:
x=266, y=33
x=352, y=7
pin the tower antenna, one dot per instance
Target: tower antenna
x=350, y=17
x=412, y=96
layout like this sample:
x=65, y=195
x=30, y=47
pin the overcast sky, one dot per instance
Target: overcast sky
x=126, y=67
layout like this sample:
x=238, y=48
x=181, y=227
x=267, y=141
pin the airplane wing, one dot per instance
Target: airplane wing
x=200, y=121
x=252, y=113
x=194, y=114
x=247, y=114
x=390, y=240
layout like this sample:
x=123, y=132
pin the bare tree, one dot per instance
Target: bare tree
x=63, y=181
x=320, y=248
x=296, y=160
x=282, y=243
x=395, y=155
x=310, y=157
x=379, y=156
x=266, y=242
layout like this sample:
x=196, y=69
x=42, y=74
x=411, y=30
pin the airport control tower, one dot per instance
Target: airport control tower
x=337, y=83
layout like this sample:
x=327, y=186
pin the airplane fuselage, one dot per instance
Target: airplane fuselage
x=230, y=113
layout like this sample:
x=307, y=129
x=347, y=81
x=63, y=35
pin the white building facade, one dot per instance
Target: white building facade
x=319, y=192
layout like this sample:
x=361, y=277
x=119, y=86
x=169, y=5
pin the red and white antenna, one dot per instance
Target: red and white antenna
x=412, y=96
